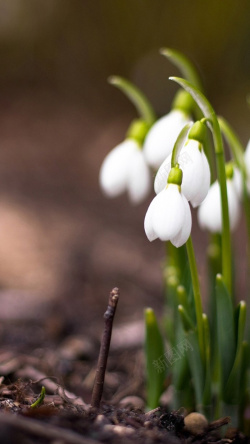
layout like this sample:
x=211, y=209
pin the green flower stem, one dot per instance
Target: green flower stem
x=214, y=126
x=185, y=66
x=238, y=155
x=141, y=103
x=234, y=144
x=197, y=296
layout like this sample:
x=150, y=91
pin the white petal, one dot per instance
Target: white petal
x=184, y=234
x=114, y=170
x=238, y=182
x=247, y=157
x=161, y=177
x=161, y=137
x=169, y=213
x=191, y=163
x=139, y=178
x=233, y=205
x=205, y=183
x=148, y=222
x=210, y=213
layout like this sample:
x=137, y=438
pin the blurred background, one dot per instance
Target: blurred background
x=60, y=239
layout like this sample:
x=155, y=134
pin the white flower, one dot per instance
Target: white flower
x=125, y=169
x=247, y=162
x=238, y=182
x=169, y=217
x=210, y=213
x=196, y=173
x=161, y=137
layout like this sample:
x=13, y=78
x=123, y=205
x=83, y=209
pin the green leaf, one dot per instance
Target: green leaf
x=186, y=319
x=225, y=330
x=197, y=95
x=207, y=389
x=184, y=64
x=237, y=151
x=155, y=360
x=233, y=392
x=196, y=368
x=39, y=401
x=139, y=100
x=182, y=297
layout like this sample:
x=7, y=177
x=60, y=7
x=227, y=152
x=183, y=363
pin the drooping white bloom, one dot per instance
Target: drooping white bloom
x=238, y=182
x=247, y=162
x=196, y=172
x=210, y=212
x=169, y=217
x=161, y=137
x=247, y=157
x=125, y=169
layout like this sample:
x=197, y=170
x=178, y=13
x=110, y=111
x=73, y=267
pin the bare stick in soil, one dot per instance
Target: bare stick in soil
x=104, y=350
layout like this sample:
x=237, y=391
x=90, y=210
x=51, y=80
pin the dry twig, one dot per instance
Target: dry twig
x=104, y=350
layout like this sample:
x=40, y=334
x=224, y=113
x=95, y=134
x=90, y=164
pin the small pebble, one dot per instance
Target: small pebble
x=195, y=423
x=133, y=402
x=118, y=429
x=123, y=431
x=101, y=420
x=167, y=396
x=77, y=347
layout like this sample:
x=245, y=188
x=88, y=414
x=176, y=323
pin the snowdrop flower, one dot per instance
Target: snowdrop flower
x=169, y=216
x=125, y=169
x=247, y=162
x=161, y=137
x=210, y=212
x=194, y=164
x=247, y=157
x=237, y=181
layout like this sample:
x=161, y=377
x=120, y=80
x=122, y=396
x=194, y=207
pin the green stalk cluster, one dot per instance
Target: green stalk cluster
x=209, y=366
x=205, y=357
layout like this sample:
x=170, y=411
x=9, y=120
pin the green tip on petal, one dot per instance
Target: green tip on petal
x=229, y=170
x=175, y=176
x=198, y=132
x=138, y=130
x=183, y=101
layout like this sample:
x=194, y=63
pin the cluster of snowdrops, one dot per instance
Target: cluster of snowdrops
x=131, y=165
x=185, y=153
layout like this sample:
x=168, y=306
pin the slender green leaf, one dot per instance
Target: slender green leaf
x=182, y=297
x=155, y=359
x=136, y=96
x=197, y=95
x=233, y=392
x=186, y=319
x=226, y=330
x=207, y=389
x=196, y=368
x=185, y=66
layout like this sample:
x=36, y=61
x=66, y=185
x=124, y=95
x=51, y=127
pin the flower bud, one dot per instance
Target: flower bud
x=198, y=132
